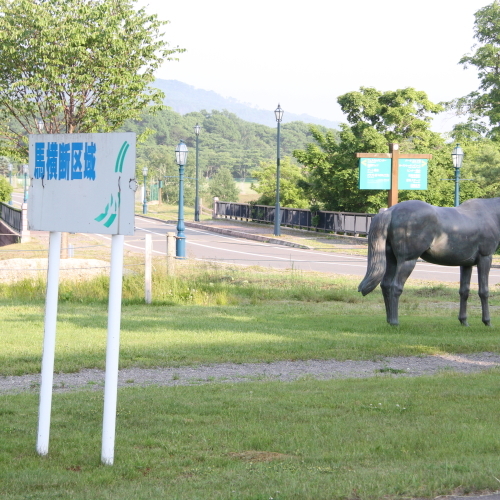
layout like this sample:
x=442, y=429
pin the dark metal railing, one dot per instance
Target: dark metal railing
x=334, y=222
x=11, y=216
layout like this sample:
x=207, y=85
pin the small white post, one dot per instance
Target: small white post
x=112, y=350
x=216, y=207
x=49, y=343
x=147, y=269
x=25, y=232
x=170, y=253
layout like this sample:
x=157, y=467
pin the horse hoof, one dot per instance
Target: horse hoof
x=487, y=323
x=464, y=323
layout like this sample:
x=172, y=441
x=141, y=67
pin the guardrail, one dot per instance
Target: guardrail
x=333, y=222
x=11, y=216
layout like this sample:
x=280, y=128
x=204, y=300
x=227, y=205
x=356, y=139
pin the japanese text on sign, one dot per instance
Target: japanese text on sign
x=65, y=161
x=412, y=173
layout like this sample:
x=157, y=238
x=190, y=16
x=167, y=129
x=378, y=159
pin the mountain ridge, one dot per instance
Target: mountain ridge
x=184, y=98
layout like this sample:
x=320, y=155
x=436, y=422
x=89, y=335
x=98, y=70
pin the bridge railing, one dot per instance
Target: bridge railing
x=11, y=216
x=333, y=222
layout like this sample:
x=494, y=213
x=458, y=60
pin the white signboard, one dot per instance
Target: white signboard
x=82, y=183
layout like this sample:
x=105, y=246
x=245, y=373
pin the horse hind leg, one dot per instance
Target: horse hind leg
x=465, y=275
x=392, y=288
x=483, y=272
x=385, y=285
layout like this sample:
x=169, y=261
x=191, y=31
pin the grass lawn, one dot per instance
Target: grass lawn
x=375, y=438
x=210, y=314
x=322, y=440
x=171, y=212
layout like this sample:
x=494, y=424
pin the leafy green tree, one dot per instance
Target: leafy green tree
x=481, y=164
x=484, y=102
x=5, y=189
x=223, y=185
x=291, y=194
x=160, y=161
x=376, y=119
x=77, y=65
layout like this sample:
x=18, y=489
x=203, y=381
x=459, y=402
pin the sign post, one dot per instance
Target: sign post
x=112, y=351
x=393, y=171
x=82, y=183
x=49, y=344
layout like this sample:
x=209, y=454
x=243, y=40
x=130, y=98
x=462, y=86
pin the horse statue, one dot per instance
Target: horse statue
x=464, y=236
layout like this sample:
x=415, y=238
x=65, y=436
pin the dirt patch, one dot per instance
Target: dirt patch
x=259, y=456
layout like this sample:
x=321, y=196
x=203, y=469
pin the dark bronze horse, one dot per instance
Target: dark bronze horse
x=464, y=236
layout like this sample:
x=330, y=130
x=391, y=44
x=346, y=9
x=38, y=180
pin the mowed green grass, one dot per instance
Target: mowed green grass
x=383, y=437
x=322, y=440
x=213, y=315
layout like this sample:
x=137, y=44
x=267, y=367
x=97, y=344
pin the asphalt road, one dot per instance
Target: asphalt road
x=205, y=245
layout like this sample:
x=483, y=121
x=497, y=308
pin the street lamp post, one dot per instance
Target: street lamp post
x=181, y=153
x=457, y=156
x=197, y=129
x=278, y=112
x=39, y=125
x=10, y=182
x=25, y=172
x=145, y=201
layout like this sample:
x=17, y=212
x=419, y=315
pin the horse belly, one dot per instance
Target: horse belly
x=448, y=250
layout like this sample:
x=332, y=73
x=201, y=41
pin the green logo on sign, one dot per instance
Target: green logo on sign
x=111, y=210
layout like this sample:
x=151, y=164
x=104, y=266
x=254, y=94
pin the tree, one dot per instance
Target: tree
x=291, y=194
x=223, y=185
x=76, y=65
x=5, y=189
x=484, y=102
x=481, y=163
x=376, y=119
x=160, y=161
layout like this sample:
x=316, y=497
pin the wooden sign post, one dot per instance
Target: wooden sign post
x=394, y=155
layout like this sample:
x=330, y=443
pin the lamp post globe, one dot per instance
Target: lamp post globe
x=25, y=173
x=39, y=125
x=197, y=129
x=278, y=112
x=457, y=157
x=145, y=201
x=181, y=152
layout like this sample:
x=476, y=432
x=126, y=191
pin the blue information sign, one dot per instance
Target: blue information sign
x=412, y=173
x=375, y=173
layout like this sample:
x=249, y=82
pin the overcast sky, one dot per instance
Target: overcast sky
x=305, y=55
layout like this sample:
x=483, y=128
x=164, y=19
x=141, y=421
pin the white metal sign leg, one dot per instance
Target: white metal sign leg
x=49, y=343
x=112, y=350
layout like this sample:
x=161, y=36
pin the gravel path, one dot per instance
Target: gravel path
x=247, y=372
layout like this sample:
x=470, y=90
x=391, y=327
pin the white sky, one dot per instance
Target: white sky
x=304, y=55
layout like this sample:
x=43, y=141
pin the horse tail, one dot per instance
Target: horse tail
x=376, y=252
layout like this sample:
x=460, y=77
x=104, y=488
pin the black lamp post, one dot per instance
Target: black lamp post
x=25, y=173
x=457, y=156
x=145, y=201
x=277, y=216
x=10, y=181
x=181, y=153
x=197, y=129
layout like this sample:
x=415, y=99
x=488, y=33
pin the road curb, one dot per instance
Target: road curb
x=232, y=232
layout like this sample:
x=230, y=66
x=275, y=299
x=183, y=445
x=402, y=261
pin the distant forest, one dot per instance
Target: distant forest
x=224, y=141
